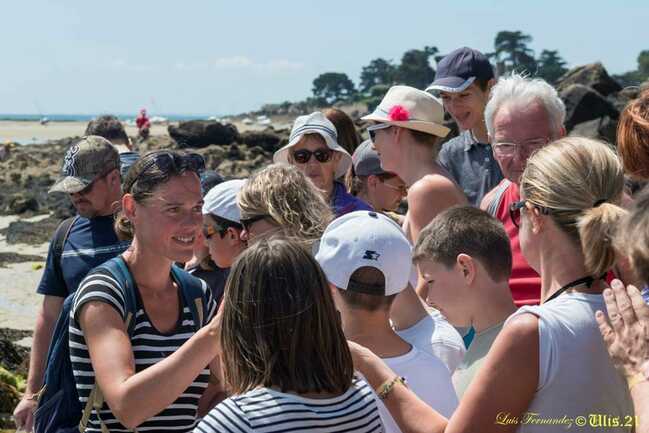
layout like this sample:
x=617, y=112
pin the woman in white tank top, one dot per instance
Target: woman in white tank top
x=548, y=369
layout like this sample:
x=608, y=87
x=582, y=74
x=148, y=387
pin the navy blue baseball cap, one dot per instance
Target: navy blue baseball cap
x=457, y=70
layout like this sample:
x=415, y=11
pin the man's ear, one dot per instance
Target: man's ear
x=372, y=180
x=490, y=85
x=467, y=266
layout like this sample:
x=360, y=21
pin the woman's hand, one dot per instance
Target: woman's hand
x=627, y=335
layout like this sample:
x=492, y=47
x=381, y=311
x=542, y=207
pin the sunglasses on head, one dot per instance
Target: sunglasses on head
x=168, y=161
x=303, y=156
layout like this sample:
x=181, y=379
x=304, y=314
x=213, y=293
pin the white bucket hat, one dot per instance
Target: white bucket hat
x=365, y=238
x=411, y=108
x=316, y=123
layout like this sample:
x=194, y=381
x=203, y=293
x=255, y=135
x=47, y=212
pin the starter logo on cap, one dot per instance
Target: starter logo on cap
x=371, y=255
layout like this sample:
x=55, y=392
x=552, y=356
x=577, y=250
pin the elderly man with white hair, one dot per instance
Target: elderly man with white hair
x=522, y=116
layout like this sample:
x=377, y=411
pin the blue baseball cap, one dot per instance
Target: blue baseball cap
x=459, y=69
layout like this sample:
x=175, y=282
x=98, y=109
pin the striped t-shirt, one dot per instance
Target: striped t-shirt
x=267, y=410
x=149, y=347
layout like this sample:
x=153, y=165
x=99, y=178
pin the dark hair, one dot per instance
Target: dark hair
x=466, y=230
x=347, y=135
x=141, y=181
x=359, y=183
x=372, y=280
x=482, y=83
x=109, y=127
x=280, y=326
x=223, y=224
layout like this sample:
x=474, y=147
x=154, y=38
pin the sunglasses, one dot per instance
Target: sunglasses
x=168, y=161
x=246, y=223
x=322, y=155
x=371, y=130
x=515, y=211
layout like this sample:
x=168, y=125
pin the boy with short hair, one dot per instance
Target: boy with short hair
x=464, y=79
x=465, y=259
x=366, y=258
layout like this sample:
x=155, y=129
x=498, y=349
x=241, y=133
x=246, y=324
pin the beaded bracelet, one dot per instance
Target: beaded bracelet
x=383, y=390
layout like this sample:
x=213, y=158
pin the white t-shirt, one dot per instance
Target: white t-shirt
x=427, y=377
x=434, y=335
x=576, y=376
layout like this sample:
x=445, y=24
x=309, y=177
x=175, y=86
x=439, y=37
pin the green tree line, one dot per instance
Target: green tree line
x=511, y=53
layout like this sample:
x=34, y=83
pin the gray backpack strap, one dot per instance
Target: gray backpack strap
x=497, y=198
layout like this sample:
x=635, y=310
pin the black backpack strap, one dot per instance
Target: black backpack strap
x=58, y=241
x=119, y=270
x=499, y=192
x=193, y=292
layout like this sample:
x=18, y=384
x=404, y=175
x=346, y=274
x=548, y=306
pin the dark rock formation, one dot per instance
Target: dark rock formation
x=584, y=104
x=592, y=75
x=201, y=133
x=267, y=140
x=604, y=128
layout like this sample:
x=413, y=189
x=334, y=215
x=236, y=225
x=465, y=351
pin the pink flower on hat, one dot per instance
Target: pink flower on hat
x=399, y=113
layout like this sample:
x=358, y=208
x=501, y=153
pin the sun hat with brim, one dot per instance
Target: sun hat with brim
x=411, y=108
x=84, y=162
x=459, y=69
x=316, y=123
x=221, y=200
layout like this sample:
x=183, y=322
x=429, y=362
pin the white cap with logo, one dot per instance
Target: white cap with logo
x=365, y=239
x=221, y=200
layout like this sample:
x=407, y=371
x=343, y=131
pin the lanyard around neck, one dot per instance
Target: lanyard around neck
x=588, y=281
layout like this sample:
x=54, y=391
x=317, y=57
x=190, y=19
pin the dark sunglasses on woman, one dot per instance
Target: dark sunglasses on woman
x=303, y=156
x=168, y=161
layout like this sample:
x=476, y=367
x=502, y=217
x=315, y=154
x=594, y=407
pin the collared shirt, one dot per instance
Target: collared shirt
x=471, y=164
x=343, y=202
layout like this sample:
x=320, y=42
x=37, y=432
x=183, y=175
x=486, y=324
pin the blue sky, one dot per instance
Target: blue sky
x=218, y=57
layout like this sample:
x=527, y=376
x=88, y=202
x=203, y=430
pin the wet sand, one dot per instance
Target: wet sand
x=18, y=299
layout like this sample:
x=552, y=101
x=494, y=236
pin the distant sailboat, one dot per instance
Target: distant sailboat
x=44, y=120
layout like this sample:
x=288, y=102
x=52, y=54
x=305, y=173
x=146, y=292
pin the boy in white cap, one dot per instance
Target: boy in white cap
x=222, y=228
x=313, y=148
x=364, y=255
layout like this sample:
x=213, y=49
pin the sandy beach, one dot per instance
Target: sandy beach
x=29, y=132
x=18, y=299
x=26, y=132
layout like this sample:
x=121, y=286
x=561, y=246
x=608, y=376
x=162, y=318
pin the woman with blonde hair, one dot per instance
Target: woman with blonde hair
x=287, y=364
x=279, y=198
x=548, y=365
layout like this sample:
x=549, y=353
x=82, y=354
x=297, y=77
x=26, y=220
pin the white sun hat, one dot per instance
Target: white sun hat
x=316, y=123
x=411, y=108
